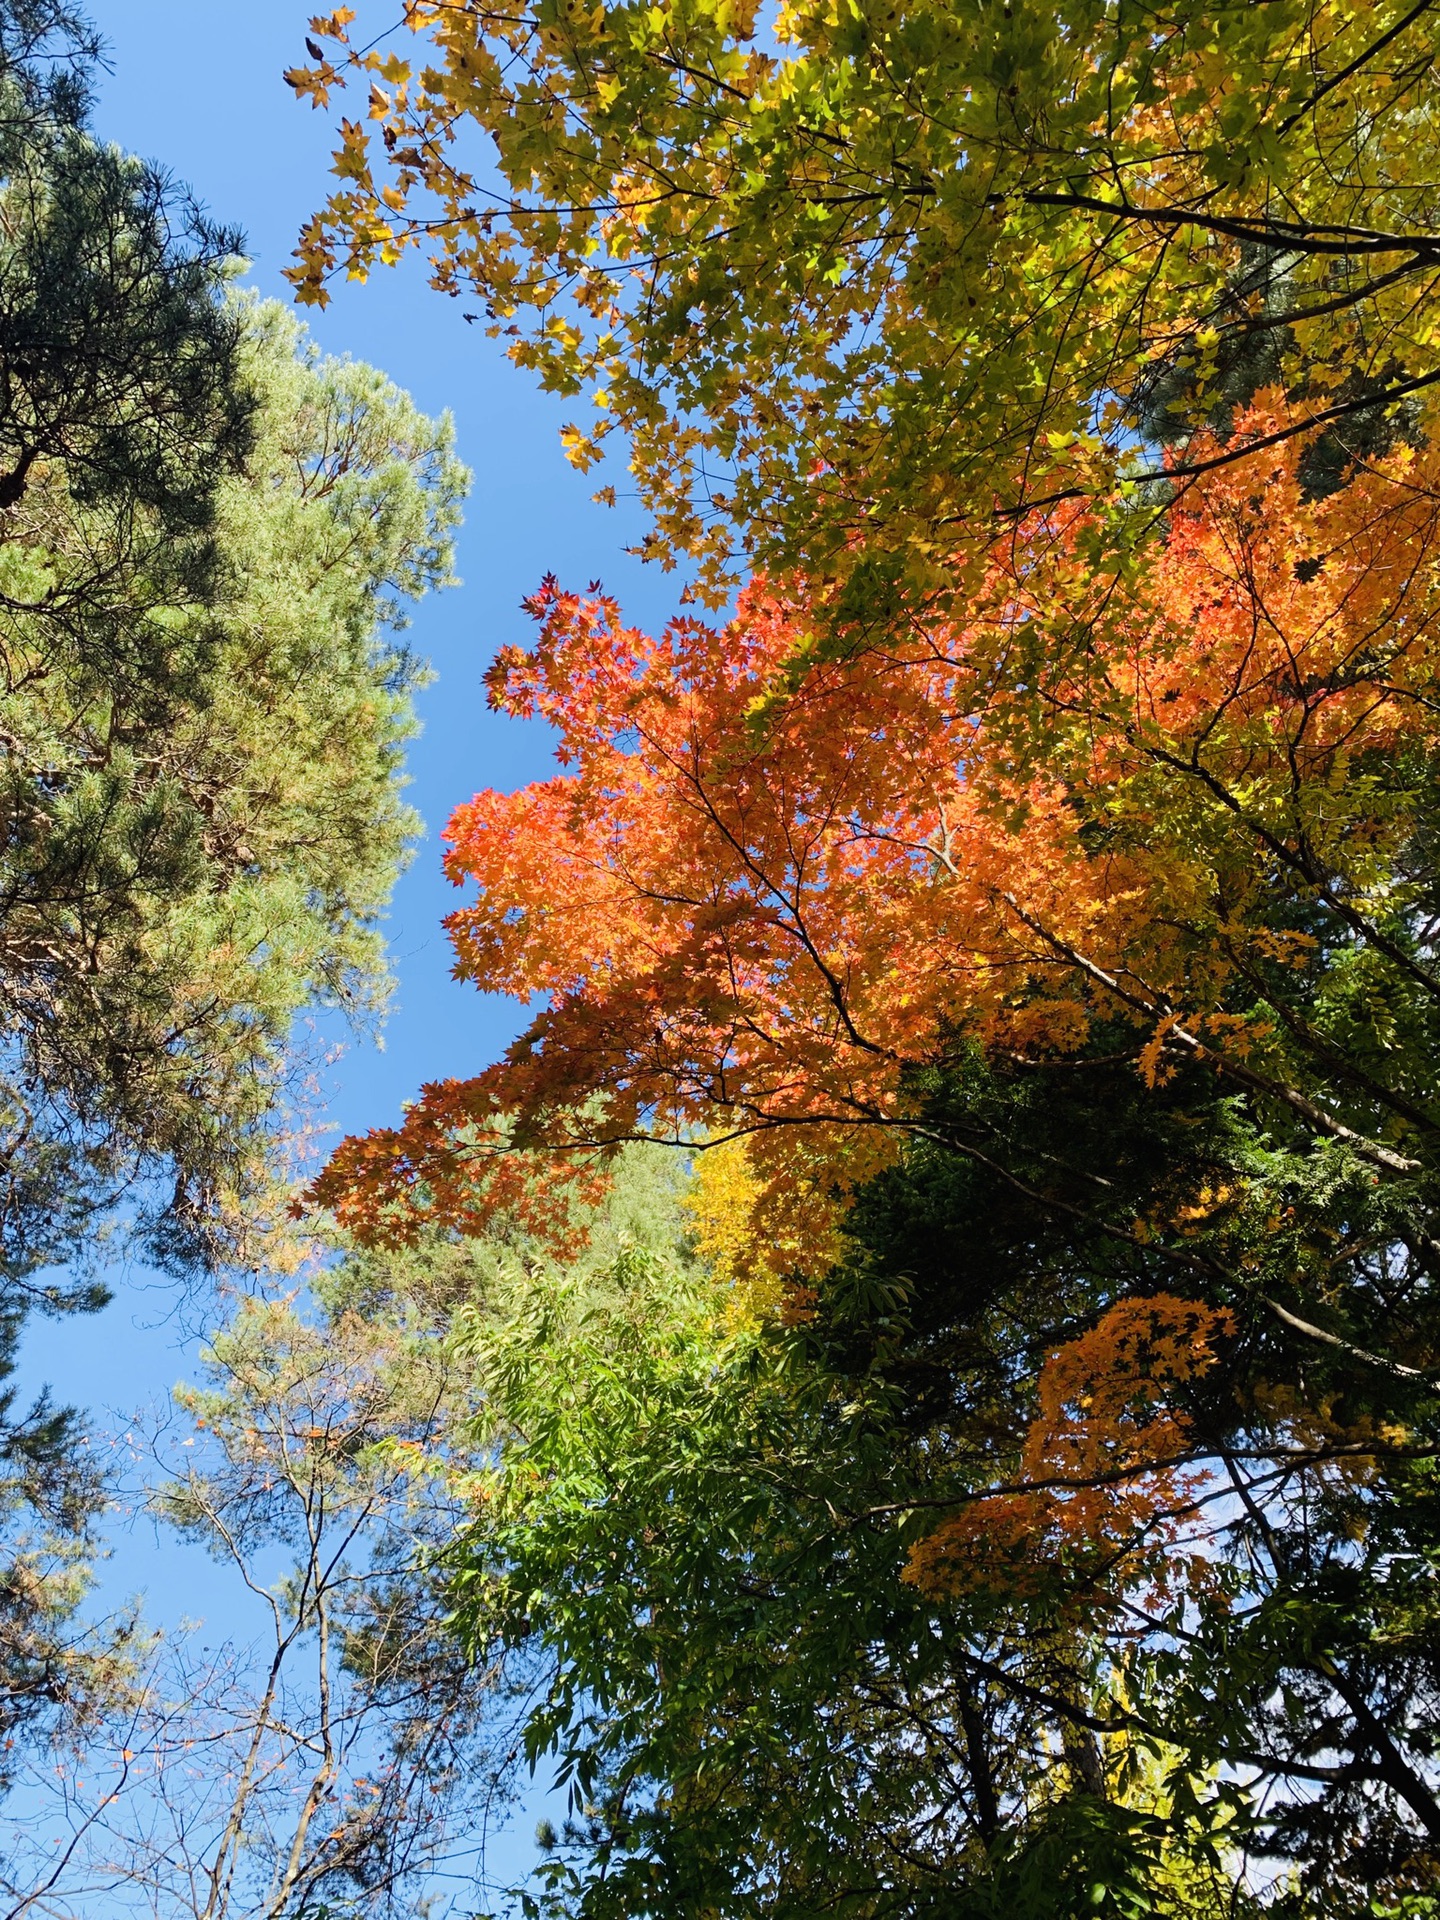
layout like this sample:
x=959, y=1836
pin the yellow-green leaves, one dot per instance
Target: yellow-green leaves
x=946, y=242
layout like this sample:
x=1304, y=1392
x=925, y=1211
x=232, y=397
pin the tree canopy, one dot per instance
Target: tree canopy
x=1022, y=908
x=202, y=786
x=852, y=280
x=1067, y=992
x=1002, y=1482
x=208, y=536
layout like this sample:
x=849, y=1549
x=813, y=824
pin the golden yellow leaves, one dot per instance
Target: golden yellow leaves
x=777, y=284
x=318, y=81
x=315, y=256
x=723, y=1202
x=352, y=162
x=1151, y=1070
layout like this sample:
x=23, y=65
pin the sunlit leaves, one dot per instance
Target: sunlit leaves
x=765, y=915
x=876, y=272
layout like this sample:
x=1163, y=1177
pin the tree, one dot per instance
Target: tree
x=203, y=820
x=198, y=829
x=1079, y=980
x=753, y=1711
x=342, y=1758
x=772, y=914
x=352, y=1756
x=1230, y=1503
x=119, y=357
x=202, y=828
x=1028, y=897
x=851, y=282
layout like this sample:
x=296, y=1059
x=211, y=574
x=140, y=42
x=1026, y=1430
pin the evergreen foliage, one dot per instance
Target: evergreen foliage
x=208, y=533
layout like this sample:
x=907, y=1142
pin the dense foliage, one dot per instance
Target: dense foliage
x=207, y=533
x=1072, y=991
x=1024, y=907
x=692, y=1531
x=1013, y=1492
x=848, y=277
x=201, y=822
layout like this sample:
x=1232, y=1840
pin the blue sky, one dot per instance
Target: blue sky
x=198, y=88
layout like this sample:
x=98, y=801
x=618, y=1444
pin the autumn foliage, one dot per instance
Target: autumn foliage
x=847, y=279
x=770, y=890
x=1105, y=1473
x=1023, y=911
x=766, y=885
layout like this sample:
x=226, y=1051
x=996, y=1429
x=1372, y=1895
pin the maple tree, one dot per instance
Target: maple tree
x=847, y=277
x=1254, y=1573
x=1136, y=937
x=1099, y=1463
x=765, y=915
x=1024, y=907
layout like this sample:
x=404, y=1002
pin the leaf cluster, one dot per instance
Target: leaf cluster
x=847, y=278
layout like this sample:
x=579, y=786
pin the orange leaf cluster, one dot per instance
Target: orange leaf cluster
x=1102, y=1470
x=755, y=899
x=454, y=1161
